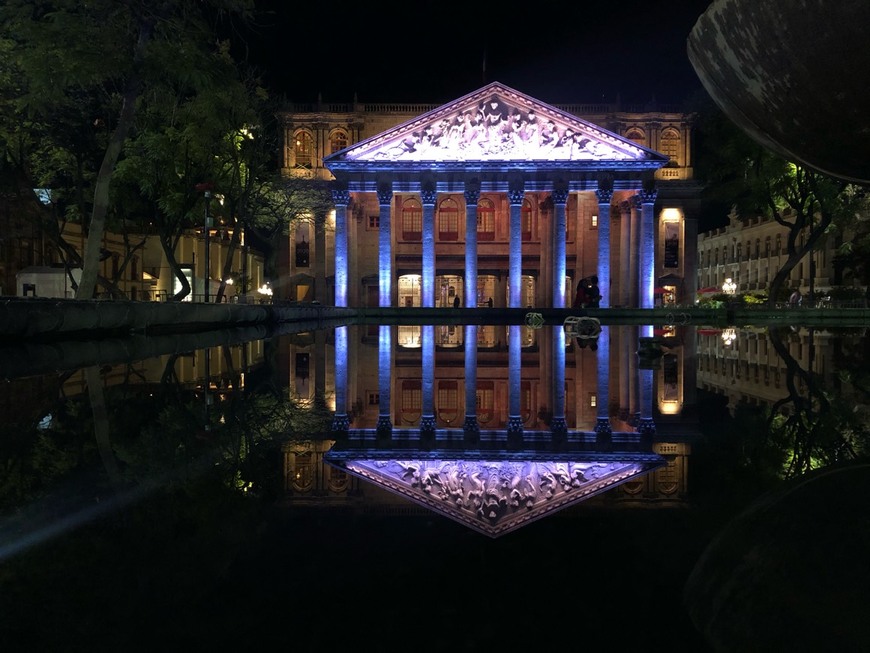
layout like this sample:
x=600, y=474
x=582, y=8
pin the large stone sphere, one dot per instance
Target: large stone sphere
x=794, y=75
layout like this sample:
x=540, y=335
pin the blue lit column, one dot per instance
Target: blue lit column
x=560, y=197
x=385, y=245
x=516, y=197
x=515, y=420
x=340, y=421
x=604, y=197
x=428, y=197
x=427, y=414
x=471, y=427
x=633, y=375
x=647, y=200
x=634, y=260
x=472, y=195
x=646, y=426
x=603, y=430
x=341, y=198
x=558, y=425
x=385, y=363
x=625, y=254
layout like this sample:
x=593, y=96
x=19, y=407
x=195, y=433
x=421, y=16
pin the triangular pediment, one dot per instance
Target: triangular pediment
x=494, y=494
x=496, y=123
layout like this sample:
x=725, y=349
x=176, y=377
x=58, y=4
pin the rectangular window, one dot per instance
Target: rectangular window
x=448, y=225
x=594, y=221
x=373, y=223
x=485, y=225
x=412, y=224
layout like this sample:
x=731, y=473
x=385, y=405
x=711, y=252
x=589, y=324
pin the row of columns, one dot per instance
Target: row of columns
x=635, y=388
x=636, y=248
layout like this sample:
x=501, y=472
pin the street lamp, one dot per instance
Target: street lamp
x=729, y=287
x=207, y=232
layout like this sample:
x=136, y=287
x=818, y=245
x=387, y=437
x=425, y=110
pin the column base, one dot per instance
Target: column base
x=427, y=424
x=559, y=428
x=340, y=423
x=384, y=427
x=603, y=433
x=471, y=429
x=647, y=429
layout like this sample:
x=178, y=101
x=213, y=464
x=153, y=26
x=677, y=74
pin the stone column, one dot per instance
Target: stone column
x=472, y=195
x=604, y=276
x=516, y=196
x=646, y=274
x=385, y=245
x=634, y=261
x=624, y=254
x=560, y=197
x=428, y=197
x=603, y=431
x=471, y=426
x=646, y=425
x=427, y=413
x=340, y=420
x=341, y=198
x=558, y=424
x=385, y=365
x=515, y=419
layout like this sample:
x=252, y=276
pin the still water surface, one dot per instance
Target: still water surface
x=208, y=498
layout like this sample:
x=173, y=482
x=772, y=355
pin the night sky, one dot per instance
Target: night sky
x=436, y=51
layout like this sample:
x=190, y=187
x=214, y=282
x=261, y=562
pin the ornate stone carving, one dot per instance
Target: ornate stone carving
x=559, y=196
x=646, y=427
x=605, y=195
x=646, y=196
x=340, y=423
x=340, y=197
x=428, y=196
x=516, y=196
x=472, y=195
x=385, y=195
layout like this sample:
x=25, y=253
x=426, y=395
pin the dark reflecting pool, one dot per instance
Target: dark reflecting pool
x=441, y=486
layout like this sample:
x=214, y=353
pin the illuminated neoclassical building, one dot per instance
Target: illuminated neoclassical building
x=494, y=199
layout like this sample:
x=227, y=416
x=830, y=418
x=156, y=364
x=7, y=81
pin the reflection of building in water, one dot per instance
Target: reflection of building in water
x=743, y=365
x=463, y=200
x=485, y=385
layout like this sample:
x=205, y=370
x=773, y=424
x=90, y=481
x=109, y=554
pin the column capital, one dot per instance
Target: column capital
x=647, y=196
x=472, y=195
x=340, y=197
x=385, y=194
x=516, y=196
x=428, y=196
x=605, y=195
x=560, y=196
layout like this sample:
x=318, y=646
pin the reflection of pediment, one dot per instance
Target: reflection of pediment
x=499, y=124
x=494, y=492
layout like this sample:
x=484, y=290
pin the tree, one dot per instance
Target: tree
x=104, y=55
x=808, y=204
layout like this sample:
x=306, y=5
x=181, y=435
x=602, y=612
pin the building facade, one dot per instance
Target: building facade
x=494, y=199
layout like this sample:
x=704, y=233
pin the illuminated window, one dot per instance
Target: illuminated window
x=527, y=219
x=487, y=338
x=337, y=141
x=448, y=401
x=670, y=144
x=448, y=220
x=304, y=149
x=485, y=220
x=593, y=400
x=412, y=220
x=594, y=221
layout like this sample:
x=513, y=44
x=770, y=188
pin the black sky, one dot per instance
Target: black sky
x=432, y=52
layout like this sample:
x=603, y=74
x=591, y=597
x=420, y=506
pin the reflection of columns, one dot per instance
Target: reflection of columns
x=341, y=199
x=320, y=258
x=604, y=276
x=515, y=420
x=340, y=421
x=625, y=353
x=558, y=425
x=602, y=421
x=427, y=414
x=559, y=199
x=471, y=427
x=516, y=247
x=428, y=197
x=472, y=195
x=647, y=249
x=624, y=252
x=385, y=245
x=646, y=426
x=385, y=424
x=633, y=379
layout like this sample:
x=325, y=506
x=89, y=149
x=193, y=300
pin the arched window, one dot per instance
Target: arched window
x=485, y=398
x=447, y=402
x=412, y=400
x=448, y=220
x=412, y=220
x=670, y=144
x=527, y=219
x=337, y=141
x=485, y=220
x=636, y=135
x=303, y=149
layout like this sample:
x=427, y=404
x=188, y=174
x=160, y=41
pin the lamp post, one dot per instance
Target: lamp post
x=207, y=232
